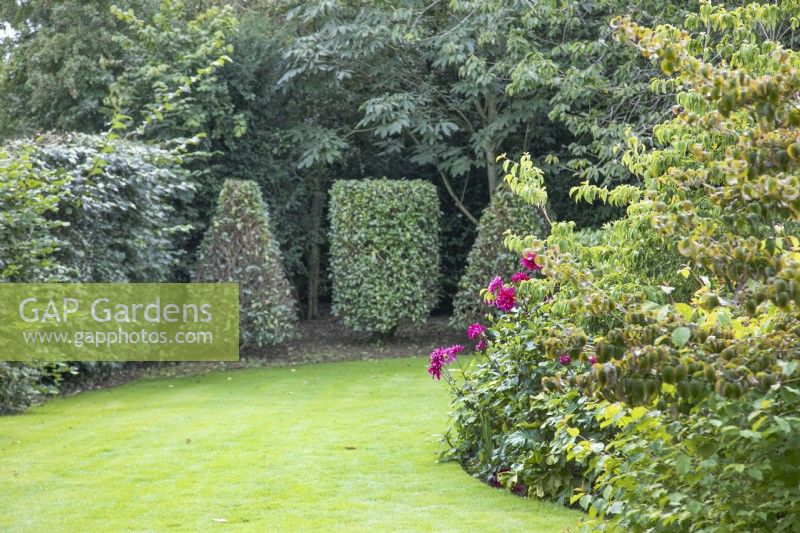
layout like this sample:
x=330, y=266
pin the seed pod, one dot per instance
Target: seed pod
x=696, y=388
x=650, y=388
x=681, y=372
x=668, y=374
x=729, y=390
x=728, y=353
x=710, y=374
x=601, y=374
x=683, y=390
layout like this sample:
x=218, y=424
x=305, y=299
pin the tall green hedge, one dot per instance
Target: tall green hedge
x=77, y=207
x=384, y=242
x=240, y=247
x=488, y=257
x=83, y=208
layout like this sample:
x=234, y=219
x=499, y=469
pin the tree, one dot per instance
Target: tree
x=454, y=85
x=57, y=64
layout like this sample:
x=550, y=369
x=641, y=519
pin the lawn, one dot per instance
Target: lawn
x=318, y=447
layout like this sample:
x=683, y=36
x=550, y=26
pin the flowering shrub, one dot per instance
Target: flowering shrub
x=240, y=247
x=384, y=242
x=488, y=257
x=660, y=395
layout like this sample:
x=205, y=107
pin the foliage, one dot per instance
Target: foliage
x=240, y=247
x=27, y=230
x=675, y=332
x=57, y=65
x=84, y=208
x=170, y=89
x=488, y=256
x=21, y=385
x=384, y=241
x=455, y=84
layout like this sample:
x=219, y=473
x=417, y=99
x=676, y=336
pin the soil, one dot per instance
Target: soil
x=320, y=340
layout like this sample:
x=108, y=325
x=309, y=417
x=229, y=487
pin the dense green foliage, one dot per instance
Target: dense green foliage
x=59, y=62
x=649, y=374
x=489, y=257
x=83, y=208
x=289, y=93
x=240, y=247
x=384, y=252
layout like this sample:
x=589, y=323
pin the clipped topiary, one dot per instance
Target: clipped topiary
x=384, y=241
x=489, y=257
x=240, y=247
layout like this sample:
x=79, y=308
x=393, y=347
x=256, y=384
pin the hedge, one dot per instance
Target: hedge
x=240, y=246
x=384, y=241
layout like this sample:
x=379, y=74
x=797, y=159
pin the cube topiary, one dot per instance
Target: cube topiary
x=239, y=246
x=384, y=259
x=488, y=256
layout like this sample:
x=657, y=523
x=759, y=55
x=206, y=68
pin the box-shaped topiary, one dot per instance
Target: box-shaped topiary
x=240, y=247
x=489, y=257
x=384, y=259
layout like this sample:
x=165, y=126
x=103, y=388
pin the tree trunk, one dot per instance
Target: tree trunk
x=315, y=247
x=491, y=168
x=489, y=146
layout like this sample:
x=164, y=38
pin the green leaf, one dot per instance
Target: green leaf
x=681, y=336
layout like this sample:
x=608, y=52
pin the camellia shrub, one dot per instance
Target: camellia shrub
x=660, y=395
x=384, y=248
x=240, y=247
x=488, y=256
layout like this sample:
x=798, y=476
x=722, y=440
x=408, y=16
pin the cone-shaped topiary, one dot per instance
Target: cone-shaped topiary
x=384, y=252
x=488, y=257
x=240, y=247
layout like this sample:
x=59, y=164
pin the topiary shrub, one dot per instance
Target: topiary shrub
x=240, y=247
x=488, y=256
x=384, y=242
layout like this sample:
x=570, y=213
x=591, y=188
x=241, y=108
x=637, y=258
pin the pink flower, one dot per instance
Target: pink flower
x=592, y=360
x=442, y=356
x=520, y=276
x=451, y=352
x=475, y=330
x=506, y=298
x=495, y=284
x=529, y=261
x=565, y=359
x=481, y=346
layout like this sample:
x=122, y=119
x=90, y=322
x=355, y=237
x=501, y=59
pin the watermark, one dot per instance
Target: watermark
x=119, y=321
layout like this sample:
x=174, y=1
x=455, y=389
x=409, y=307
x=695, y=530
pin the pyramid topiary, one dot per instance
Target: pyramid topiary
x=488, y=257
x=240, y=247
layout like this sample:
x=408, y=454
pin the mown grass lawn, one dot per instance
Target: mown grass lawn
x=342, y=446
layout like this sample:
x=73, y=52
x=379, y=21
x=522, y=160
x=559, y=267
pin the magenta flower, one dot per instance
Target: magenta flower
x=506, y=298
x=481, y=346
x=529, y=261
x=565, y=359
x=495, y=284
x=475, y=330
x=592, y=360
x=451, y=352
x=442, y=356
x=520, y=276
